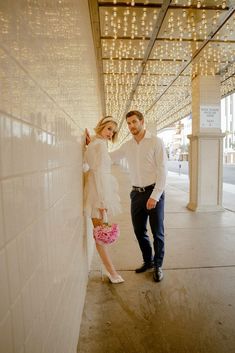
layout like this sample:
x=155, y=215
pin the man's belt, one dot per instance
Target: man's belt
x=143, y=189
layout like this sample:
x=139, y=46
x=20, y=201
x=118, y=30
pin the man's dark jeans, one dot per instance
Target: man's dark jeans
x=139, y=215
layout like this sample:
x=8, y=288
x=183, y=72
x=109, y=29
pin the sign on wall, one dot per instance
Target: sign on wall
x=210, y=116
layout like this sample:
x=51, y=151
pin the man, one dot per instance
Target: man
x=147, y=161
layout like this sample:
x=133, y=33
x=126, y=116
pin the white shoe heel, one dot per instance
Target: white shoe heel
x=115, y=280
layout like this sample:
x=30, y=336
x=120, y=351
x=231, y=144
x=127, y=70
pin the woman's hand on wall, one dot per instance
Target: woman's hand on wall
x=87, y=136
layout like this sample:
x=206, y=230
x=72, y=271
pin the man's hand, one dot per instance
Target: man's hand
x=151, y=203
x=87, y=136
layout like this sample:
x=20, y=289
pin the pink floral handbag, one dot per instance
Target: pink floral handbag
x=106, y=233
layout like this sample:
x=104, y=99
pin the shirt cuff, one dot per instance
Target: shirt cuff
x=156, y=194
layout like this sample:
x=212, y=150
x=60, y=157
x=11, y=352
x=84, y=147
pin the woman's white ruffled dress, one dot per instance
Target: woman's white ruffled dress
x=101, y=188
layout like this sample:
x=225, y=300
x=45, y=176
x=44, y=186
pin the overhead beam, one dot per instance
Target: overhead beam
x=95, y=24
x=143, y=85
x=144, y=74
x=158, y=6
x=141, y=59
x=172, y=118
x=227, y=78
x=224, y=70
x=170, y=115
x=197, y=52
x=169, y=40
x=156, y=30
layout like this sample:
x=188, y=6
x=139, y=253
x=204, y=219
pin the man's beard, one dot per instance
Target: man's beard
x=135, y=131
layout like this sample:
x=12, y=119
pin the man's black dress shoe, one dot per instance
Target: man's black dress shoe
x=144, y=267
x=157, y=274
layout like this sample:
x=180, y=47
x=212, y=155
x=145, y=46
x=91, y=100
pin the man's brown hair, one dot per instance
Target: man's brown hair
x=136, y=113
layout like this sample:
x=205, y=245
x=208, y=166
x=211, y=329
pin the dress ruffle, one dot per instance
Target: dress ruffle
x=101, y=187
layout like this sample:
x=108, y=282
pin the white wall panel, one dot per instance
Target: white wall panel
x=47, y=72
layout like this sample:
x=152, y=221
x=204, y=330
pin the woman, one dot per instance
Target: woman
x=101, y=187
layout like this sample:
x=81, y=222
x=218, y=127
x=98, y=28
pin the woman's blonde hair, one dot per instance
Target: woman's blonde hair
x=103, y=122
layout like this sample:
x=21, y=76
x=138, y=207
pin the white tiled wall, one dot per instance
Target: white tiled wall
x=47, y=72
x=43, y=260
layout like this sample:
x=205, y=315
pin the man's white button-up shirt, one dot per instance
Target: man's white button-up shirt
x=147, y=162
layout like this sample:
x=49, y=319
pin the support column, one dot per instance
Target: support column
x=206, y=146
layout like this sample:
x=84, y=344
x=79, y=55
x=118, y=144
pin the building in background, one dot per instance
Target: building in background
x=176, y=140
x=167, y=136
x=228, y=127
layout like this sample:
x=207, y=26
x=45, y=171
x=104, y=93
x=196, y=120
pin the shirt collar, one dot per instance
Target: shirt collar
x=147, y=135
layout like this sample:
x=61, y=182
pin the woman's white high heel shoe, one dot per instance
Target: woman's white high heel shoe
x=115, y=279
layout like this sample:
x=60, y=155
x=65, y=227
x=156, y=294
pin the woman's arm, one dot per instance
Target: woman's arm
x=118, y=154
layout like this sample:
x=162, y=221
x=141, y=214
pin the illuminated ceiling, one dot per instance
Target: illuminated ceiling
x=149, y=51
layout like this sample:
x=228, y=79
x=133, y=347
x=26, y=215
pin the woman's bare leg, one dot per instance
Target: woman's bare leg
x=103, y=252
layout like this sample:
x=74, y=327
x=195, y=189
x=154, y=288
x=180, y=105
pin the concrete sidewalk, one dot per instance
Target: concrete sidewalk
x=182, y=182
x=191, y=310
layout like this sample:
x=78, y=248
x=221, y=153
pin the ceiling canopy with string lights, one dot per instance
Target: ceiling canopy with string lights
x=148, y=52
